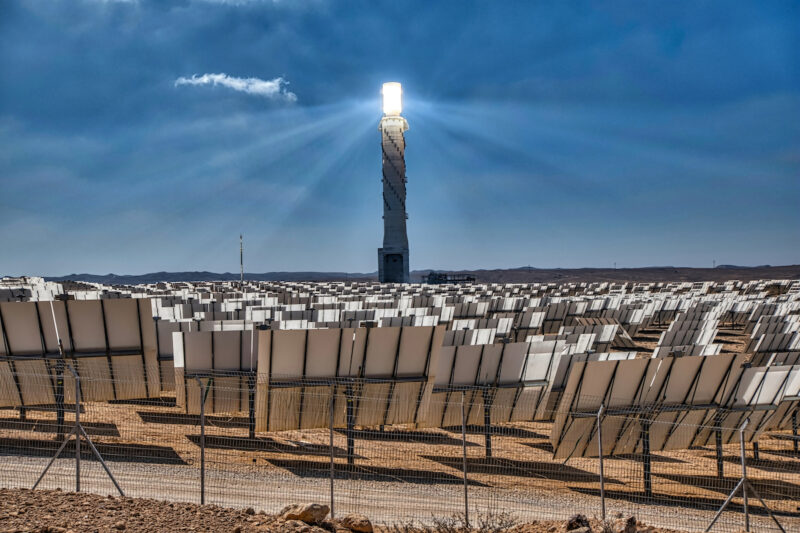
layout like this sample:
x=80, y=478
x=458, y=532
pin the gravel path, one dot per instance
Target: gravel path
x=385, y=502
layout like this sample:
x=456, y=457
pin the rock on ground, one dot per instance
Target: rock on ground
x=578, y=522
x=356, y=522
x=310, y=513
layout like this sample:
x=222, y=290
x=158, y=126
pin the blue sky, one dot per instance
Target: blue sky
x=552, y=134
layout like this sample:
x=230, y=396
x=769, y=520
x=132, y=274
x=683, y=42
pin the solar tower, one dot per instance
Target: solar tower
x=393, y=257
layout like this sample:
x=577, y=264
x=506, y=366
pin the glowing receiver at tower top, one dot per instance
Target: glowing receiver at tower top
x=393, y=257
x=392, y=98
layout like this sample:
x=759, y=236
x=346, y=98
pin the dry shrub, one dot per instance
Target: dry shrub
x=487, y=522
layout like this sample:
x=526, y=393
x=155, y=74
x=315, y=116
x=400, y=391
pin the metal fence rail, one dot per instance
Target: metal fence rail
x=154, y=449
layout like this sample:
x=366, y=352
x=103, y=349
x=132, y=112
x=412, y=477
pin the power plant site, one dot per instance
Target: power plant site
x=314, y=266
x=393, y=400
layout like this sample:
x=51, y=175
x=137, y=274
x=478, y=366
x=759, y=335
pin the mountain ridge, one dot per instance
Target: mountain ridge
x=510, y=275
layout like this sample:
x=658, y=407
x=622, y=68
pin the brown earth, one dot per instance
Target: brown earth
x=43, y=511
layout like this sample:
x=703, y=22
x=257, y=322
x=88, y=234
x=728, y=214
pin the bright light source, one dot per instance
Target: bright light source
x=392, y=98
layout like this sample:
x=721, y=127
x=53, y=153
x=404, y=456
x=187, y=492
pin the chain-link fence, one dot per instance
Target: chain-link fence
x=477, y=464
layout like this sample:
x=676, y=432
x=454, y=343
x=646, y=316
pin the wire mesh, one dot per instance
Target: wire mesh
x=394, y=473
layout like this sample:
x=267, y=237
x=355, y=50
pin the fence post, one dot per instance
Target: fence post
x=487, y=422
x=202, y=441
x=646, y=465
x=77, y=434
x=60, y=398
x=744, y=477
x=744, y=483
x=464, y=457
x=333, y=395
x=350, y=415
x=78, y=431
x=251, y=406
x=718, y=448
x=600, y=455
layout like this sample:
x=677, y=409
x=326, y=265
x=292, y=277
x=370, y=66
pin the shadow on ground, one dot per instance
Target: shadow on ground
x=655, y=458
x=50, y=426
x=769, y=489
x=365, y=472
x=400, y=435
x=762, y=463
x=499, y=431
x=694, y=502
x=126, y=453
x=267, y=445
x=512, y=467
x=182, y=419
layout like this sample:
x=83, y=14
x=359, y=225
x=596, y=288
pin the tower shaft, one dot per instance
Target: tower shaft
x=393, y=257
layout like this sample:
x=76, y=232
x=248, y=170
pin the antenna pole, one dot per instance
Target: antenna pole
x=60, y=373
x=55, y=326
x=241, y=261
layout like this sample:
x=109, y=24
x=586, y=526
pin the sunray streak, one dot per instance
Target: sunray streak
x=232, y=170
x=304, y=126
x=323, y=168
x=598, y=130
x=472, y=139
x=277, y=178
x=268, y=136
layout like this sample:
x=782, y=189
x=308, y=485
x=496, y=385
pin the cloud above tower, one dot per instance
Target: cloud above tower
x=274, y=89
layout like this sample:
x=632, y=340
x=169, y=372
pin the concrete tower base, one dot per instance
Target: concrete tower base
x=393, y=265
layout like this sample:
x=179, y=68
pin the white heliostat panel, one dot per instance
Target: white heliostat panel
x=164, y=330
x=660, y=395
x=110, y=343
x=765, y=396
x=787, y=412
x=225, y=361
x=487, y=374
x=387, y=374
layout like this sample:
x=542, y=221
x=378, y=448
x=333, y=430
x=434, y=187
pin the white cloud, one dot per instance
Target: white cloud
x=241, y=2
x=275, y=89
x=227, y=2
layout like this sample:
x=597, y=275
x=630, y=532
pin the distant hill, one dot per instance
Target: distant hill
x=512, y=275
x=155, y=277
x=648, y=274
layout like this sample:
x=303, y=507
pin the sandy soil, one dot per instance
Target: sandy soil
x=63, y=512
